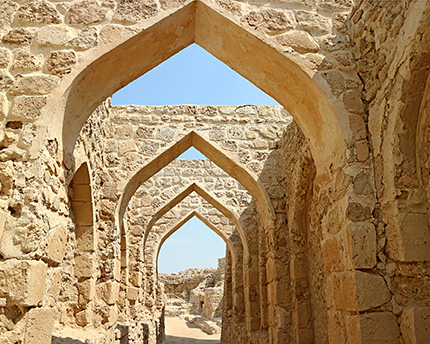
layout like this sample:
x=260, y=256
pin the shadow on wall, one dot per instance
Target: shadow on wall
x=61, y=340
x=187, y=340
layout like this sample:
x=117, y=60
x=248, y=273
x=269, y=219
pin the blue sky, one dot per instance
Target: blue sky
x=194, y=245
x=193, y=76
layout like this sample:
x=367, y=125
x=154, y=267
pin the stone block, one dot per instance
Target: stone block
x=303, y=314
x=132, y=293
x=56, y=249
x=117, y=269
x=415, y=325
x=53, y=36
x=84, y=266
x=34, y=85
x=357, y=212
x=25, y=61
x=108, y=292
x=312, y=22
x=136, y=278
x=333, y=220
x=306, y=336
x=333, y=253
x=87, y=290
x=362, y=244
x=26, y=109
x=83, y=213
x=39, y=326
x=357, y=291
x=85, y=238
x=112, y=315
x=86, y=39
x=82, y=192
x=86, y=12
x=22, y=283
x=362, y=151
x=362, y=184
x=19, y=36
x=358, y=126
x=60, y=62
x=410, y=240
x=84, y=318
x=301, y=41
x=378, y=328
x=299, y=268
x=353, y=102
x=38, y=12
x=336, y=333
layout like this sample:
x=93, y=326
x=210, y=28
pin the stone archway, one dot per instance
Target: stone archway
x=206, y=196
x=318, y=85
x=246, y=178
x=287, y=79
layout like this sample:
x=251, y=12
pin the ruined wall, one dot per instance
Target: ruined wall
x=392, y=46
x=356, y=86
x=194, y=291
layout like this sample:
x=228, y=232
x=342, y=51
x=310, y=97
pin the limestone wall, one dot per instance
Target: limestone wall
x=354, y=75
x=194, y=291
x=392, y=48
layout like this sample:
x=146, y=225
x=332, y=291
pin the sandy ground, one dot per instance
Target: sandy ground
x=178, y=332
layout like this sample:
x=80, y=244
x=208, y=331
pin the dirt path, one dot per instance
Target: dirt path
x=178, y=332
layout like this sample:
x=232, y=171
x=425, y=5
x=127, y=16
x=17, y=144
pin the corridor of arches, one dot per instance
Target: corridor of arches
x=321, y=201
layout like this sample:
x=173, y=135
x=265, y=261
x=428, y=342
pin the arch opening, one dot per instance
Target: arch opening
x=81, y=200
x=270, y=70
x=236, y=171
x=204, y=299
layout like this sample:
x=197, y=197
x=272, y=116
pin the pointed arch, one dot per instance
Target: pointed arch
x=202, y=218
x=222, y=160
x=208, y=198
x=126, y=55
x=81, y=200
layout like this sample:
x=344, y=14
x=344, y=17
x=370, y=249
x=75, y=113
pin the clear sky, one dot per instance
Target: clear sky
x=194, y=245
x=193, y=76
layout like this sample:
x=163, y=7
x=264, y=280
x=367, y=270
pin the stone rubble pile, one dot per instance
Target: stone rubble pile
x=196, y=295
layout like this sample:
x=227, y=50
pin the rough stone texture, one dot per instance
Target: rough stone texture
x=23, y=282
x=37, y=12
x=25, y=61
x=60, y=62
x=19, y=36
x=86, y=12
x=349, y=205
x=194, y=291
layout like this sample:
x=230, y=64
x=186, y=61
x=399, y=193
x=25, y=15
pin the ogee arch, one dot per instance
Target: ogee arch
x=235, y=170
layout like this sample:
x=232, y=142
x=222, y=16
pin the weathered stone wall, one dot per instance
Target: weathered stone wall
x=392, y=46
x=195, y=291
x=353, y=75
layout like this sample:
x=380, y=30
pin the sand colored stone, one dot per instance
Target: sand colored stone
x=328, y=233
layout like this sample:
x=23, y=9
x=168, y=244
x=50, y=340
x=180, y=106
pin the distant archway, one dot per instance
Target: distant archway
x=235, y=170
x=202, y=218
x=208, y=198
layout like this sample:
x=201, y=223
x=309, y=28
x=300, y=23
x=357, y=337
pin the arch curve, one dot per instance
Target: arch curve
x=202, y=218
x=208, y=198
x=235, y=170
x=303, y=93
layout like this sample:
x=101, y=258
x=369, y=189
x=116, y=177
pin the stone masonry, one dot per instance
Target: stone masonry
x=322, y=202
